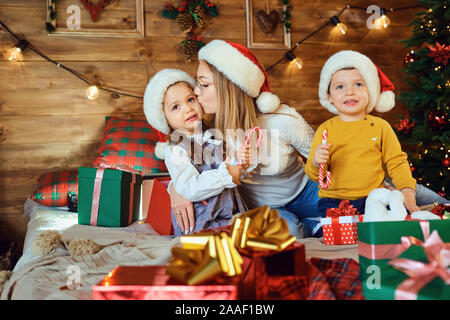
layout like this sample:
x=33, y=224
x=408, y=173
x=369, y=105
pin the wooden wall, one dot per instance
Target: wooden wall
x=47, y=123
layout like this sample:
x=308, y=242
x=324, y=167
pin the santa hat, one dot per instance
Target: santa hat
x=242, y=68
x=381, y=95
x=153, y=102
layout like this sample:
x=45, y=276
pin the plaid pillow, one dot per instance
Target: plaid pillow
x=54, y=188
x=131, y=143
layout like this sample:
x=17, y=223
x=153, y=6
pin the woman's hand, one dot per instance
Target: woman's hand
x=410, y=200
x=183, y=210
x=321, y=154
x=235, y=173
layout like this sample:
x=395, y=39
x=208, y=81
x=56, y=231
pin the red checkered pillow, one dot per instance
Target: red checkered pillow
x=54, y=188
x=131, y=143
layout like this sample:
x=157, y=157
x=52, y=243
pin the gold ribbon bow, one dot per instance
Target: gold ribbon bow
x=261, y=229
x=202, y=256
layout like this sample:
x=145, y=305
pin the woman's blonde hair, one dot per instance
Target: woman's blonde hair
x=235, y=108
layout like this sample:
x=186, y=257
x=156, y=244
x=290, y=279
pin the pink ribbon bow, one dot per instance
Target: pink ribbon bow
x=420, y=273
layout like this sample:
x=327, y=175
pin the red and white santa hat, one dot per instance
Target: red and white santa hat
x=154, y=98
x=381, y=95
x=242, y=68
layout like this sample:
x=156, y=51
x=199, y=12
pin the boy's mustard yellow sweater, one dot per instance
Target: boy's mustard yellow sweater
x=359, y=151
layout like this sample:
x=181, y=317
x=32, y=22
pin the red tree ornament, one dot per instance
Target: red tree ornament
x=405, y=126
x=446, y=162
x=440, y=53
x=438, y=120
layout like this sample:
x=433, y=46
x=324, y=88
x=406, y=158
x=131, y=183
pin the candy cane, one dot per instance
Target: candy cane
x=247, y=139
x=322, y=184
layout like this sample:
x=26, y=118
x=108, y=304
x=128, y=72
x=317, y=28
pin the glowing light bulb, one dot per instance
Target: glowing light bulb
x=383, y=21
x=14, y=54
x=92, y=92
x=339, y=25
x=342, y=28
x=298, y=62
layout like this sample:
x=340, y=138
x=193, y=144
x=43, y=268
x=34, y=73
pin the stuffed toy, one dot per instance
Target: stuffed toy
x=380, y=198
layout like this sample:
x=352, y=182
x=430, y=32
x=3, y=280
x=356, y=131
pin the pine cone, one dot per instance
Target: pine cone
x=185, y=21
x=190, y=50
x=201, y=14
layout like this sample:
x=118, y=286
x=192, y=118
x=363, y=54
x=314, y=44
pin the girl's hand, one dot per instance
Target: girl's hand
x=183, y=210
x=235, y=173
x=410, y=200
x=321, y=154
x=243, y=156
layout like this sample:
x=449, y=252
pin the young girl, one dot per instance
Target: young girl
x=194, y=159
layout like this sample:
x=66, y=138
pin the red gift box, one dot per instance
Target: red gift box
x=158, y=212
x=153, y=283
x=340, y=225
x=261, y=269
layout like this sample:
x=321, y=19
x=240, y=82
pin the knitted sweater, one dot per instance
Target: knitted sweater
x=278, y=175
x=360, y=150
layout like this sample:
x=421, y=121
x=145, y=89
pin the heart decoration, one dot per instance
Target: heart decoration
x=95, y=9
x=267, y=22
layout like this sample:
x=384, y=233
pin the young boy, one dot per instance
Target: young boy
x=361, y=149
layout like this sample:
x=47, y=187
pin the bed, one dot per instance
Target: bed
x=46, y=277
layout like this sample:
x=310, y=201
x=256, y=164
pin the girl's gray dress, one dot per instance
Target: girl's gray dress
x=221, y=207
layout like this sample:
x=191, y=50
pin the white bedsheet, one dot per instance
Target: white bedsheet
x=45, y=277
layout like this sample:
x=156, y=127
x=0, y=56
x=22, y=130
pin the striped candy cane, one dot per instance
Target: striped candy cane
x=322, y=184
x=247, y=139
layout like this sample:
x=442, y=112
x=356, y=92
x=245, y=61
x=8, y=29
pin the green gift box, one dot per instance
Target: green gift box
x=107, y=197
x=382, y=244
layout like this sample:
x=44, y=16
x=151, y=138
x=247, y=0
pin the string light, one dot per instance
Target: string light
x=15, y=53
x=92, y=92
x=383, y=21
x=339, y=25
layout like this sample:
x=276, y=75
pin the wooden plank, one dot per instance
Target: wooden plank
x=12, y=225
x=45, y=156
x=49, y=129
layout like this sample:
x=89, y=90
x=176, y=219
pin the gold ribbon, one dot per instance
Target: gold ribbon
x=261, y=229
x=202, y=256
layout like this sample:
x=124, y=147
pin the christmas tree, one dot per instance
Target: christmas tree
x=424, y=130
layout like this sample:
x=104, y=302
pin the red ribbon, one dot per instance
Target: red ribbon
x=344, y=209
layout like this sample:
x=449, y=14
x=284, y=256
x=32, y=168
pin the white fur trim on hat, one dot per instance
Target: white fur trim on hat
x=350, y=59
x=267, y=102
x=154, y=96
x=160, y=149
x=232, y=63
x=386, y=101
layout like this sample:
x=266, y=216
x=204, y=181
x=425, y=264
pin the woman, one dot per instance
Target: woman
x=233, y=87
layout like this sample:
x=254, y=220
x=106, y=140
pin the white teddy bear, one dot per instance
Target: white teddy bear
x=376, y=209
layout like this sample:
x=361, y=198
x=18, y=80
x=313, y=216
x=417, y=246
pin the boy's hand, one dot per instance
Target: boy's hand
x=243, y=156
x=410, y=200
x=321, y=154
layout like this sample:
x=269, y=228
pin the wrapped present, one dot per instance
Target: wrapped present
x=153, y=283
x=108, y=197
x=157, y=203
x=269, y=252
x=340, y=225
x=405, y=259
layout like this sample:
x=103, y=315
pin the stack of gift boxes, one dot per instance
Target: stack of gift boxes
x=235, y=262
x=401, y=260
x=398, y=259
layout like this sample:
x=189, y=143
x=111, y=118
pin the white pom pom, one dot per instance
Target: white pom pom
x=267, y=102
x=424, y=215
x=385, y=102
x=160, y=149
x=46, y=242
